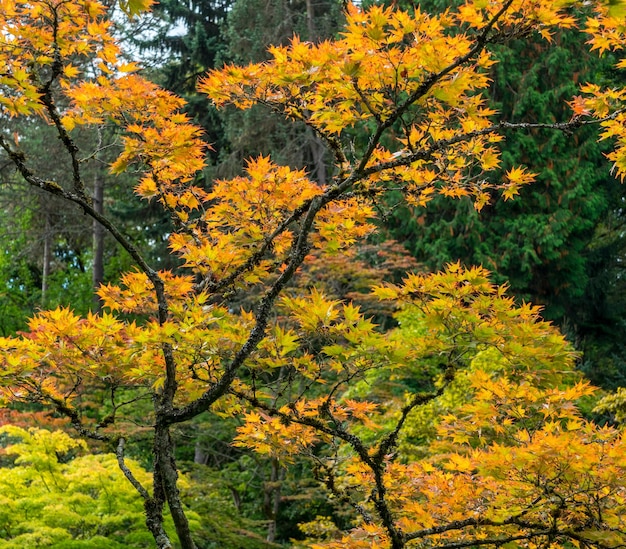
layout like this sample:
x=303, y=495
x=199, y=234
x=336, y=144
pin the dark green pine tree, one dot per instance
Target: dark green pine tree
x=184, y=42
x=253, y=26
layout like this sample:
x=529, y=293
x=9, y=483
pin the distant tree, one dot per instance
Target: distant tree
x=186, y=41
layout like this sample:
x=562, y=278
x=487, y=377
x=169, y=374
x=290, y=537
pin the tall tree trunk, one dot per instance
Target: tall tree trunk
x=199, y=455
x=166, y=475
x=271, y=498
x=47, y=252
x=310, y=20
x=98, y=240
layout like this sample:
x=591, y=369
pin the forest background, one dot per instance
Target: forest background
x=559, y=244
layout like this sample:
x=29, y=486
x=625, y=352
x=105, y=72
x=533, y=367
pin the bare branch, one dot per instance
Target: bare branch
x=119, y=452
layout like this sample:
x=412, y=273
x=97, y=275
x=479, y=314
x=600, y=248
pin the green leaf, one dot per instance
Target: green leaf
x=135, y=7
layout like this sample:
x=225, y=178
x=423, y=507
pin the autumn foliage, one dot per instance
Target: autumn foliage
x=459, y=427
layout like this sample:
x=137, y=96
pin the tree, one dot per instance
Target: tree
x=398, y=102
x=252, y=26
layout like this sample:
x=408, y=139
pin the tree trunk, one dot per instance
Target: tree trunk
x=310, y=20
x=154, y=522
x=98, y=240
x=47, y=251
x=271, y=498
x=199, y=455
x=318, y=153
x=166, y=475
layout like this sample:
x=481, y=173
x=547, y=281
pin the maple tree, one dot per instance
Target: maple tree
x=397, y=99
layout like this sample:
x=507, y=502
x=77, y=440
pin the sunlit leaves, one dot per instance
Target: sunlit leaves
x=157, y=137
x=248, y=214
x=136, y=295
x=463, y=303
x=42, y=41
x=273, y=436
x=516, y=178
x=313, y=312
x=502, y=401
x=242, y=214
x=343, y=223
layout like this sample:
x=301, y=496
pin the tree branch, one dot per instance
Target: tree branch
x=441, y=144
x=47, y=100
x=299, y=250
x=428, y=83
x=498, y=542
x=391, y=439
x=119, y=452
